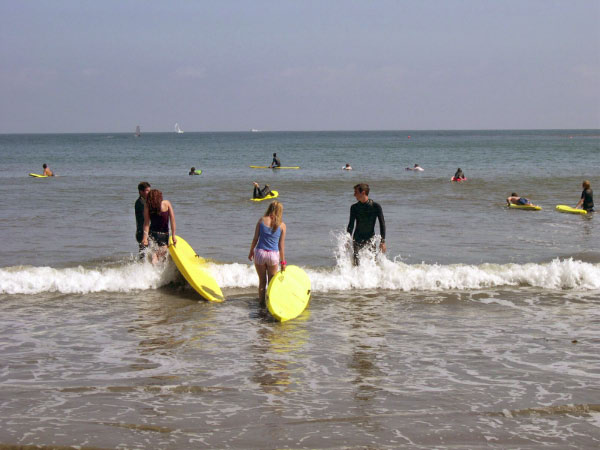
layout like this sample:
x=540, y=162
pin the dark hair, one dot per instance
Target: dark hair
x=514, y=194
x=143, y=185
x=362, y=187
x=44, y=165
x=154, y=200
x=274, y=154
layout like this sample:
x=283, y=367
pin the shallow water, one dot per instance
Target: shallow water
x=479, y=328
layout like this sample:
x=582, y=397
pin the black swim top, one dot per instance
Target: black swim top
x=365, y=215
x=159, y=222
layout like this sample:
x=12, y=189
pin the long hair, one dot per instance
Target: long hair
x=275, y=210
x=586, y=184
x=154, y=200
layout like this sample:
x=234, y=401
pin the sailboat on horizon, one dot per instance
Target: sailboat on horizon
x=138, y=132
x=177, y=129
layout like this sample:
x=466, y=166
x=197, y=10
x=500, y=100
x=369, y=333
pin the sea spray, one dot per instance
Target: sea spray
x=375, y=271
x=125, y=277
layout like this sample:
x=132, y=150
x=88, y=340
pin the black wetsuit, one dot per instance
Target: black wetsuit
x=139, y=222
x=588, y=200
x=459, y=174
x=365, y=215
x=276, y=162
x=261, y=193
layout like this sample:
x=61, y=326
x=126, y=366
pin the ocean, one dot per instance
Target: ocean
x=479, y=328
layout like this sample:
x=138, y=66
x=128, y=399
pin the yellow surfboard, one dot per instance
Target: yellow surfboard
x=280, y=167
x=37, y=175
x=273, y=194
x=526, y=207
x=569, y=210
x=288, y=293
x=192, y=267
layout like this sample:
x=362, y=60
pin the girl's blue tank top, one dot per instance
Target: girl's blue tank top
x=267, y=238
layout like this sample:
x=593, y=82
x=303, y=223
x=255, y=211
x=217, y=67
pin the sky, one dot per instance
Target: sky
x=233, y=65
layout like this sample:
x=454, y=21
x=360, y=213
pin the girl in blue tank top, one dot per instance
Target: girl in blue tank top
x=268, y=246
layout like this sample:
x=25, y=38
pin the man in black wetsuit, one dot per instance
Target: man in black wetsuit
x=276, y=162
x=365, y=212
x=143, y=189
x=261, y=193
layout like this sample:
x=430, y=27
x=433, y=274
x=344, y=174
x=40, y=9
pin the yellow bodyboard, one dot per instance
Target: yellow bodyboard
x=288, y=293
x=526, y=207
x=569, y=210
x=275, y=195
x=192, y=267
x=38, y=175
x=280, y=167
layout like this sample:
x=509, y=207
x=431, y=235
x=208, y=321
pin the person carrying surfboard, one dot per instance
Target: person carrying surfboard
x=261, y=193
x=275, y=162
x=47, y=170
x=365, y=213
x=268, y=246
x=587, y=197
x=157, y=215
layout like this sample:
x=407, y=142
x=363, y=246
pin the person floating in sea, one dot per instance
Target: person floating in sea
x=268, y=247
x=275, y=162
x=514, y=199
x=365, y=213
x=459, y=175
x=416, y=168
x=347, y=167
x=143, y=189
x=193, y=171
x=261, y=193
x=157, y=215
x=47, y=170
x=587, y=198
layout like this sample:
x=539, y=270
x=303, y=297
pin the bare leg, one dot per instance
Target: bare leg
x=272, y=271
x=261, y=270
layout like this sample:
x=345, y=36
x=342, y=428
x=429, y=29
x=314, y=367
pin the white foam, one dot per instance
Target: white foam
x=374, y=272
x=124, y=278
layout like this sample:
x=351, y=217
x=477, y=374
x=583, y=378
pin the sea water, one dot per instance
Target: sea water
x=477, y=328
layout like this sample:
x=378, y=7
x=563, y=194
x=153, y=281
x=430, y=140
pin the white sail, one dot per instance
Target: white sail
x=177, y=129
x=138, y=133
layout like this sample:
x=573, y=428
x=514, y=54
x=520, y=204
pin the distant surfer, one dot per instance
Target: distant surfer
x=193, y=171
x=268, y=246
x=416, y=168
x=587, y=197
x=261, y=193
x=347, y=167
x=459, y=175
x=275, y=162
x=365, y=213
x=157, y=215
x=514, y=199
x=143, y=189
x=47, y=170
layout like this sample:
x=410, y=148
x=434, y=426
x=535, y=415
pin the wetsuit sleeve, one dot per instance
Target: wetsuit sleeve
x=350, y=228
x=381, y=222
